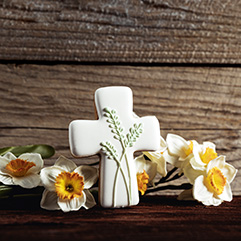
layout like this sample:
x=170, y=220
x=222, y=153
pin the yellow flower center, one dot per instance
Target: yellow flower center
x=208, y=155
x=69, y=185
x=19, y=167
x=190, y=149
x=215, y=181
x=142, y=181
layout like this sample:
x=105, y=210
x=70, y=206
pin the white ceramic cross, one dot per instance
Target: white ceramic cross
x=116, y=135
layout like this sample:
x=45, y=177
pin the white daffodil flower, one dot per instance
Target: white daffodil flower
x=23, y=170
x=66, y=186
x=213, y=187
x=197, y=163
x=145, y=172
x=161, y=157
x=180, y=148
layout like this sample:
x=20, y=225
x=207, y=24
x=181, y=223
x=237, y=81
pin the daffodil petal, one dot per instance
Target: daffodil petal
x=140, y=163
x=90, y=200
x=30, y=181
x=5, y=179
x=170, y=158
x=229, y=172
x=36, y=159
x=200, y=191
x=49, y=200
x=177, y=145
x=48, y=176
x=10, y=156
x=212, y=201
x=161, y=168
x=65, y=163
x=226, y=195
x=72, y=204
x=89, y=173
x=209, y=144
x=217, y=162
x=191, y=173
x=3, y=162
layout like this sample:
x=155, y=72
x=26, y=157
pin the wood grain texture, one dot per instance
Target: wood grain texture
x=154, y=218
x=39, y=101
x=136, y=31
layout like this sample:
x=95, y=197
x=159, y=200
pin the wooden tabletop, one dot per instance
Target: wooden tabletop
x=155, y=218
x=182, y=61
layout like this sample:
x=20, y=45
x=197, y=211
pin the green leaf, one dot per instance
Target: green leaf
x=45, y=151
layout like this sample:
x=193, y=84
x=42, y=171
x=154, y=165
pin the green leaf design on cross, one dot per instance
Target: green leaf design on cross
x=126, y=142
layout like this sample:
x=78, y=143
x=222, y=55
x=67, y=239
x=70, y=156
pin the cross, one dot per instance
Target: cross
x=115, y=135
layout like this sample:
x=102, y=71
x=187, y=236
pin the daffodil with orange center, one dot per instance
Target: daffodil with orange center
x=67, y=186
x=23, y=171
x=146, y=171
x=213, y=187
x=142, y=181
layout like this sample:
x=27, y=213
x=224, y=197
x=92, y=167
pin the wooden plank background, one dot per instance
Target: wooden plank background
x=181, y=59
x=140, y=31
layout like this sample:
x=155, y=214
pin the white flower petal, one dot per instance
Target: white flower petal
x=49, y=200
x=90, y=200
x=5, y=179
x=29, y=181
x=163, y=144
x=191, y=173
x=161, y=168
x=36, y=159
x=177, y=145
x=89, y=173
x=3, y=162
x=73, y=204
x=209, y=144
x=229, y=172
x=142, y=164
x=217, y=162
x=196, y=161
x=200, y=191
x=48, y=176
x=226, y=195
x=170, y=158
x=66, y=164
x=186, y=195
x=212, y=201
x=10, y=156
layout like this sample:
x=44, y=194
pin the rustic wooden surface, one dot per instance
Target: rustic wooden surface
x=182, y=61
x=155, y=218
x=147, y=31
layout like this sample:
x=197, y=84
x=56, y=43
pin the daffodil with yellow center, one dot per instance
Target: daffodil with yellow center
x=23, y=171
x=197, y=163
x=146, y=171
x=213, y=187
x=67, y=186
x=215, y=181
x=142, y=181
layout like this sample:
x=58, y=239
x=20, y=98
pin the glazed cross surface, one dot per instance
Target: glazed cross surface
x=116, y=135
